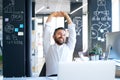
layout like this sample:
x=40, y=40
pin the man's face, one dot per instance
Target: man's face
x=60, y=37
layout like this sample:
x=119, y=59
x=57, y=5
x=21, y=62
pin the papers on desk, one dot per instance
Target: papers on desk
x=82, y=57
x=52, y=78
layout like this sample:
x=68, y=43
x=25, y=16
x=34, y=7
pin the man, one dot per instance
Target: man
x=61, y=50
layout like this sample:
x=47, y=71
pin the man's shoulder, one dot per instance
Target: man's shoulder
x=71, y=25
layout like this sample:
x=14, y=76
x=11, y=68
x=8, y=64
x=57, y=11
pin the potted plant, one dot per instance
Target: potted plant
x=95, y=53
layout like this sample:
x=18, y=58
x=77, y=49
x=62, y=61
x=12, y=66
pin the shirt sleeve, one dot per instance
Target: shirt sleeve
x=72, y=36
x=46, y=37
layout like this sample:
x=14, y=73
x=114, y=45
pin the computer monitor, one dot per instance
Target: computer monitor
x=113, y=45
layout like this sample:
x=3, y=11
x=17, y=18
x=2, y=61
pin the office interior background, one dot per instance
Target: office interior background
x=93, y=19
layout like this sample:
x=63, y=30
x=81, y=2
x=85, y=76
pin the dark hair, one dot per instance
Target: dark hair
x=59, y=28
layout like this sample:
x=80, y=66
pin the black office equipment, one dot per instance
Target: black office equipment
x=113, y=45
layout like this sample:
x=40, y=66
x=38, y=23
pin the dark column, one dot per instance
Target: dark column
x=28, y=37
x=17, y=16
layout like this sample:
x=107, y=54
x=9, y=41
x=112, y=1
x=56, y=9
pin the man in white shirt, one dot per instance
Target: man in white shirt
x=61, y=50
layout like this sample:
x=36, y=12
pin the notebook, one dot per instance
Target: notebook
x=87, y=70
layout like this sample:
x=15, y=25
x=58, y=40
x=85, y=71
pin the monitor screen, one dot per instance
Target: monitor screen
x=113, y=45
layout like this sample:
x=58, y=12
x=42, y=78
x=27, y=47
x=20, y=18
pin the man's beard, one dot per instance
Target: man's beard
x=58, y=41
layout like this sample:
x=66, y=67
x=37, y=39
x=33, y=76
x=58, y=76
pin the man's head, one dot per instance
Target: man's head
x=60, y=35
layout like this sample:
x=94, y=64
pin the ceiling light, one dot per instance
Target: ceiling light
x=40, y=9
x=77, y=0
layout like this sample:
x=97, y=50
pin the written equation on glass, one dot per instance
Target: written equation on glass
x=101, y=21
x=14, y=34
x=78, y=28
x=99, y=30
x=13, y=23
x=10, y=8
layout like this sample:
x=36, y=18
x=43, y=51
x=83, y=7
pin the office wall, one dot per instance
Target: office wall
x=115, y=15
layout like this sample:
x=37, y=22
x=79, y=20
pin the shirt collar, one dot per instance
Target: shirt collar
x=59, y=46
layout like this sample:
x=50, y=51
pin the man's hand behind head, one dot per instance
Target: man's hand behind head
x=57, y=14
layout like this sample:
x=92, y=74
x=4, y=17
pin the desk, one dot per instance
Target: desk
x=32, y=78
x=37, y=78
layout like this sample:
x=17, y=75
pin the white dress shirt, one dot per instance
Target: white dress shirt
x=55, y=53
